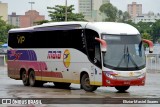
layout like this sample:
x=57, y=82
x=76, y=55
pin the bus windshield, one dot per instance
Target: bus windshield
x=124, y=52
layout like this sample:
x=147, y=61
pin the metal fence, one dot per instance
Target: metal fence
x=2, y=60
x=153, y=63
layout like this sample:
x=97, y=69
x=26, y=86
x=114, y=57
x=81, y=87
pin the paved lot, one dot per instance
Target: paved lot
x=10, y=88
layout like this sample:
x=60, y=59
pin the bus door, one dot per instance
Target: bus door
x=94, y=55
x=96, y=66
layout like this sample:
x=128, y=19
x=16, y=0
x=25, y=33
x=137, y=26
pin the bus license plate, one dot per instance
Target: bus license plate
x=127, y=83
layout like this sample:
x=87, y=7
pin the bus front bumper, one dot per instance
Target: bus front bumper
x=112, y=81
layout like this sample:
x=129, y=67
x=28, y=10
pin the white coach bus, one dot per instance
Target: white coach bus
x=92, y=54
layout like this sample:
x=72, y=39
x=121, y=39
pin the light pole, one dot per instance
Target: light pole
x=31, y=19
x=31, y=4
x=66, y=11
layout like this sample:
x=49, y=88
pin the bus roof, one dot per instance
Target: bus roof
x=100, y=27
x=113, y=28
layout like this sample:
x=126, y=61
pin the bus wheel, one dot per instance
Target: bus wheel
x=122, y=88
x=85, y=83
x=32, y=80
x=25, y=78
x=62, y=85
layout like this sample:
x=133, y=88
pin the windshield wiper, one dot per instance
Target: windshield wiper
x=130, y=57
x=126, y=53
x=123, y=57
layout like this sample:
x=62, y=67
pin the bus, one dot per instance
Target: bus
x=91, y=54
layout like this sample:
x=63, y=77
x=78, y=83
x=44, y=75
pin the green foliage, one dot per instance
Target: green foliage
x=145, y=27
x=158, y=40
x=4, y=28
x=131, y=23
x=57, y=14
x=156, y=31
x=126, y=16
x=113, y=14
x=147, y=36
x=150, y=28
x=110, y=11
x=41, y=22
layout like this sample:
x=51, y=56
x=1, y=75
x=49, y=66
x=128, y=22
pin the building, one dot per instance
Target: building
x=134, y=9
x=30, y=18
x=147, y=18
x=13, y=19
x=26, y=20
x=4, y=11
x=90, y=9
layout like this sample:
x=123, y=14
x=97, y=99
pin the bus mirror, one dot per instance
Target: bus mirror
x=103, y=44
x=150, y=44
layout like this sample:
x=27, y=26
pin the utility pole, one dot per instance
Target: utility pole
x=31, y=4
x=66, y=11
x=31, y=19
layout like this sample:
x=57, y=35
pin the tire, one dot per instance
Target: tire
x=62, y=85
x=122, y=88
x=25, y=79
x=85, y=83
x=32, y=80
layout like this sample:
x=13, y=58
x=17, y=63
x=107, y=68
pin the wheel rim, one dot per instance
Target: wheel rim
x=31, y=79
x=87, y=82
x=24, y=77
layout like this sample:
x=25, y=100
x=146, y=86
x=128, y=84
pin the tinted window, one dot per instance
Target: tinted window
x=93, y=47
x=20, y=40
x=48, y=39
x=124, y=52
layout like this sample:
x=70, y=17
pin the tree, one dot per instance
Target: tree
x=113, y=14
x=119, y=15
x=122, y=16
x=146, y=36
x=156, y=31
x=4, y=28
x=41, y=22
x=144, y=27
x=57, y=14
x=131, y=23
x=126, y=16
x=110, y=11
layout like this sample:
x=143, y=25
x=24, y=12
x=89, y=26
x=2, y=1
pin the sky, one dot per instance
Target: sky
x=21, y=6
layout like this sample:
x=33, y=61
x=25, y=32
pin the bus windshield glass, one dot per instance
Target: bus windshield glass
x=124, y=52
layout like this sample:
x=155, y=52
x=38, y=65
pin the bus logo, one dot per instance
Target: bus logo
x=66, y=58
x=16, y=55
x=54, y=55
x=20, y=39
x=131, y=74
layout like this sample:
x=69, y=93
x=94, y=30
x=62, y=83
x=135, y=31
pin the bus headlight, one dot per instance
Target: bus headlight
x=111, y=74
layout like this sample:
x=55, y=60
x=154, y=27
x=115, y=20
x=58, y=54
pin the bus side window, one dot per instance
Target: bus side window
x=19, y=40
x=97, y=59
x=93, y=47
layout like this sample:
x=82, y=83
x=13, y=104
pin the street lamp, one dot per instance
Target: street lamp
x=31, y=4
x=31, y=19
x=66, y=11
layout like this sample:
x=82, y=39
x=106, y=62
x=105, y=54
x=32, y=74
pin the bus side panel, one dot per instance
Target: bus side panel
x=26, y=59
x=66, y=65
x=48, y=67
